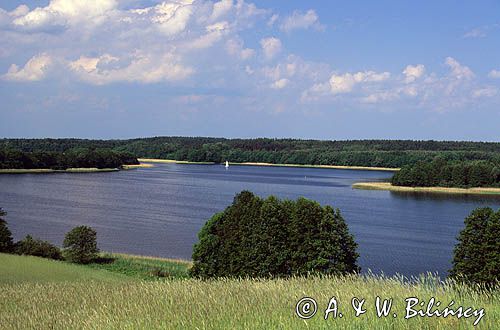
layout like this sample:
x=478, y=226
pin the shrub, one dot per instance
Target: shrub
x=80, y=245
x=38, y=248
x=477, y=253
x=257, y=237
x=6, y=243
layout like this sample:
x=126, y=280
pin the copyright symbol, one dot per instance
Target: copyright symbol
x=306, y=308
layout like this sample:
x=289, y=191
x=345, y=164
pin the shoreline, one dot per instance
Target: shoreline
x=71, y=170
x=172, y=161
x=441, y=190
x=337, y=167
x=48, y=170
x=133, y=167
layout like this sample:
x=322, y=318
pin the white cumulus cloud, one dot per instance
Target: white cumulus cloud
x=35, y=69
x=299, y=20
x=494, y=74
x=345, y=83
x=458, y=71
x=413, y=72
x=279, y=84
x=270, y=46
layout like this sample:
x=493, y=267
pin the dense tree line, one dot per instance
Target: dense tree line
x=383, y=153
x=58, y=160
x=258, y=237
x=440, y=172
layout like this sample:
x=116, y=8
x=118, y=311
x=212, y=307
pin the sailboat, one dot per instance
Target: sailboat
x=227, y=164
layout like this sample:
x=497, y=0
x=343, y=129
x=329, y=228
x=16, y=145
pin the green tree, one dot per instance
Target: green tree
x=476, y=255
x=6, y=242
x=267, y=238
x=38, y=248
x=80, y=245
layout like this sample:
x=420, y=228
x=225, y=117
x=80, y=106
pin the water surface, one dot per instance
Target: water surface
x=159, y=211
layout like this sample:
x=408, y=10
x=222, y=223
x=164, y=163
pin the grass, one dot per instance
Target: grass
x=145, y=268
x=230, y=304
x=25, y=269
x=446, y=190
x=169, y=161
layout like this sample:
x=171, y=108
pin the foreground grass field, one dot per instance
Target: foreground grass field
x=53, y=296
x=25, y=269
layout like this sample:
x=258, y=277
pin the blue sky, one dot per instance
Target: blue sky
x=306, y=69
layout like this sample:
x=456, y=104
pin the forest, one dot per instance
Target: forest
x=379, y=153
x=61, y=160
x=442, y=173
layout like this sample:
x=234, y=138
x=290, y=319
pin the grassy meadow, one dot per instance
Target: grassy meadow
x=43, y=294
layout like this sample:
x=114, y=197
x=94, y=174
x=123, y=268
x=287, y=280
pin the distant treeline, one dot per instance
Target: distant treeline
x=381, y=153
x=444, y=173
x=58, y=160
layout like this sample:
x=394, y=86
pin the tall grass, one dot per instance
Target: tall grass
x=231, y=304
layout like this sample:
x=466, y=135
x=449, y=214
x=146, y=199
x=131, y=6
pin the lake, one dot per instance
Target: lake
x=159, y=211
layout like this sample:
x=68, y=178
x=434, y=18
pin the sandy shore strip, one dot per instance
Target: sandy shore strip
x=338, y=167
x=442, y=190
x=131, y=167
x=172, y=161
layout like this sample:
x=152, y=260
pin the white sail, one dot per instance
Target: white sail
x=227, y=164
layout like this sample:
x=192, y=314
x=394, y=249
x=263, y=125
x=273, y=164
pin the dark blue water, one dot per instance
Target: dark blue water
x=159, y=211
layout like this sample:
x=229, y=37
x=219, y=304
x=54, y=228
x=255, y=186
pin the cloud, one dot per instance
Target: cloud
x=172, y=17
x=271, y=47
x=179, y=34
x=413, y=72
x=488, y=91
x=139, y=68
x=299, y=20
x=457, y=70
x=481, y=31
x=272, y=20
x=345, y=83
x=280, y=84
x=235, y=48
x=61, y=13
x=220, y=9
x=35, y=69
x=494, y=74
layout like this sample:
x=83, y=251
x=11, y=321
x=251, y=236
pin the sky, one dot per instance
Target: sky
x=233, y=68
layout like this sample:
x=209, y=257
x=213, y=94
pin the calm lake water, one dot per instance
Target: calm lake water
x=159, y=211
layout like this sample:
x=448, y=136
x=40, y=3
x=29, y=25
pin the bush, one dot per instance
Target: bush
x=477, y=254
x=80, y=245
x=6, y=243
x=38, y=248
x=257, y=237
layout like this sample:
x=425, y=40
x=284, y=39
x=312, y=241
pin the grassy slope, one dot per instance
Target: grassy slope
x=26, y=269
x=146, y=268
x=445, y=190
x=47, y=294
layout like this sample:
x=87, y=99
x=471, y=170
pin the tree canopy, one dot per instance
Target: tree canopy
x=444, y=173
x=382, y=153
x=269, y=237
x=477, y=254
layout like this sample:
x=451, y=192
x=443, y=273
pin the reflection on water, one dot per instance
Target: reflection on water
x=159, y=211
x=435, y=196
